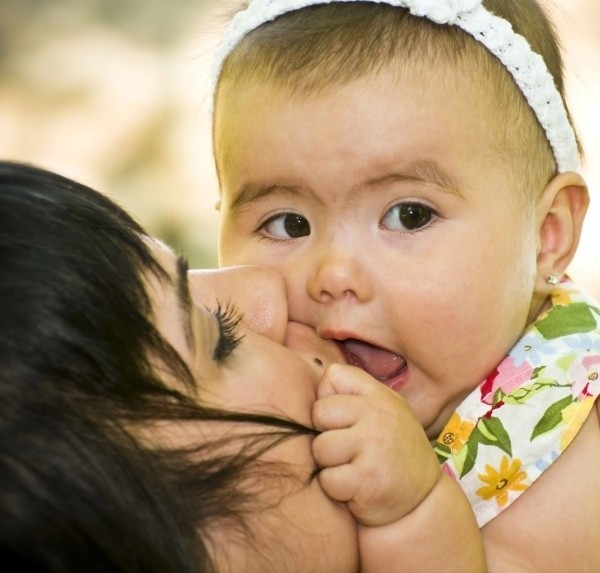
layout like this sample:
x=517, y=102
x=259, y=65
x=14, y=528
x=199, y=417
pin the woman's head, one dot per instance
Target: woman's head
x=76, y=328
x=240, y=364
x=120, y=450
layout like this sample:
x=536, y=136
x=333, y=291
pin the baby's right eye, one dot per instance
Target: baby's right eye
x=287, y=226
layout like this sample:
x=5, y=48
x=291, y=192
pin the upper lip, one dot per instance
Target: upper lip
x=340, y=337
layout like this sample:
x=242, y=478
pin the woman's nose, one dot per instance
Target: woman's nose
x=338, y=274
x=258, y=292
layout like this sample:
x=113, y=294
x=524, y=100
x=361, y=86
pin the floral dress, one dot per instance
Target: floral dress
x=528, y=410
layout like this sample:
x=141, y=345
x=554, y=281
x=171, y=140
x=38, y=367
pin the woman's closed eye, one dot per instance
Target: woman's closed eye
x=286, y=226
x=408, y=217
x=228, y=318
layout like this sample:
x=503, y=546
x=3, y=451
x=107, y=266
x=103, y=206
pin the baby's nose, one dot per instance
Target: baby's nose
x=338, y=273
x=258, y=292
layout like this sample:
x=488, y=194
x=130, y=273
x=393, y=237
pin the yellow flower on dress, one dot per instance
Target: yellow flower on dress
x=574, y=416
x=499, y=483
x=456, y=433
x=561, y=297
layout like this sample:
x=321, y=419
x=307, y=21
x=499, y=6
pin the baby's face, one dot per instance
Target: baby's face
x=393, y=220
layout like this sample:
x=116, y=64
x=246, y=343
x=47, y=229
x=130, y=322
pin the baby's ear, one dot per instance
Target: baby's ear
x=560, y=210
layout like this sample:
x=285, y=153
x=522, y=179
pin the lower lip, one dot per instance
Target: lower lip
x=396, y=383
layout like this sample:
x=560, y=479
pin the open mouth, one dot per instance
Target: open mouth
x=385, y=366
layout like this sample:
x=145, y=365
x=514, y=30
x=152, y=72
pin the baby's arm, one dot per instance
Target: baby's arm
x=376, y=457
x=440, y=534
x=554, y=525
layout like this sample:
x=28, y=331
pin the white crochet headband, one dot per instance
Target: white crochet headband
x=496, y=34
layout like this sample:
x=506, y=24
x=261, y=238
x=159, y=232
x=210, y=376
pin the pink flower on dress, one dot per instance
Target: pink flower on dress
x=506, y=377
x=585, y=377
x=446, y=469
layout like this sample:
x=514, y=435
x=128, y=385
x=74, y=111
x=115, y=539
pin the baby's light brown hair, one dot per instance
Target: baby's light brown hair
x=323, y=46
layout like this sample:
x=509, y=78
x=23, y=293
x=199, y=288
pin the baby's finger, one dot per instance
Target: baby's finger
x=337, y=411
x=344, y=379
x=333, y=448
x=339, y=483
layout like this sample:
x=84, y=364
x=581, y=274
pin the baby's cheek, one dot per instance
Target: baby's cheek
x=237, y=239
x=233, y=251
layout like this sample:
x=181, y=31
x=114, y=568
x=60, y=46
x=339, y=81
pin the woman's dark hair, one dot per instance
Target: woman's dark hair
x=79, y=488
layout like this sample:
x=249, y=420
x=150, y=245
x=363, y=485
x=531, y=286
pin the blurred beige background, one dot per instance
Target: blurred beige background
x=114, y=94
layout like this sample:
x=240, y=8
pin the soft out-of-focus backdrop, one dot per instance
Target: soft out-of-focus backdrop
x=114, y=93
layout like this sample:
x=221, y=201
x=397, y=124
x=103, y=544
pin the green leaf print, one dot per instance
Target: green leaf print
x=564, y=362
x=442, y=451
x=524, y=393
x=551, y=418
x=459, y=460
x=521, y=395
x=536, y=372
x=470, y=450
x=488, y=432
x=494, y=434
x=498, y=395
x=563, y=320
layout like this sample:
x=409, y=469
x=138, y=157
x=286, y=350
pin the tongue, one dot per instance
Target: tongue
x=379, y=363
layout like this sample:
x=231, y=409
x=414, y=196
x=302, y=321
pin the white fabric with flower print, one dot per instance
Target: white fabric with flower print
x=523, y=416
x=527, y=68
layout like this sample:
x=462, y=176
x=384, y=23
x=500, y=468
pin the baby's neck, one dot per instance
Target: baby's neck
x=539, y=306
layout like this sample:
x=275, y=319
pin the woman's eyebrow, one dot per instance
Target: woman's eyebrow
x=184, y=299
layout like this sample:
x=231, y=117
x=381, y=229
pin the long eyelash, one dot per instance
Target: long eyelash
x=229, y=319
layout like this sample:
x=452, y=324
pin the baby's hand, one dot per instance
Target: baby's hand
x=373, y=452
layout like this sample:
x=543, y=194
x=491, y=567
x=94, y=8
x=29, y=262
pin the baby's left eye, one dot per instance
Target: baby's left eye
x=407, y=217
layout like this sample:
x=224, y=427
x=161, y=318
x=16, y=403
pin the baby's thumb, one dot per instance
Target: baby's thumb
x=344, y=379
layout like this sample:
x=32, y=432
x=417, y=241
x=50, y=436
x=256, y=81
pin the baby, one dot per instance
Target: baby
x=410, y=167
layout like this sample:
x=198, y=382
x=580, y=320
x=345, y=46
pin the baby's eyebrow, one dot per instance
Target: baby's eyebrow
x=253, y=192
x=425, y=171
